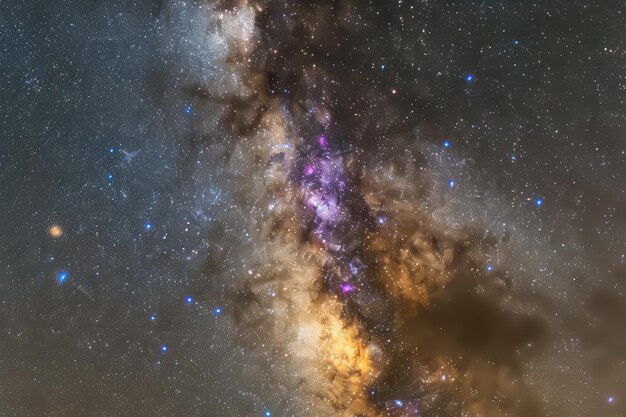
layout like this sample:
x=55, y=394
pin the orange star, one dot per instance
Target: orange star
x=55, y=231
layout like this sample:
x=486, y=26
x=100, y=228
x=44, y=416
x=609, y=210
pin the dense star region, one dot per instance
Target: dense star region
x=350, y=278
x=313, y=208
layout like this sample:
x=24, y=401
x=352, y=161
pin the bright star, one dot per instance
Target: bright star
x=451, y=183
x=489, y=267
x=218, y=311
x=55, y=231
x=539, y=202
x=446, y=144
x=188, y=300
x=62, y=277
x=164, y=348
x=469, y=77
x=148, y=226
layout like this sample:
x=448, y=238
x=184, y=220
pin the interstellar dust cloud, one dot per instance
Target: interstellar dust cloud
x=357, y=297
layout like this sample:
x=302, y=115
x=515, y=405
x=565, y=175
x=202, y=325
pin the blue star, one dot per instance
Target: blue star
x=188, y=299
x=164, y=348
x=610, y=400
x=109, y=177
x=148, y=226
x=111, y=150
x=469, y=78
x=62, y=277
x=516, y=42
x=153, y=317
x=267, y=413
x=399, y=403
x=218, y=311
x=451, y=183
x=489, y=267
x=539, y=202
x=446, y=144
x=188, y=109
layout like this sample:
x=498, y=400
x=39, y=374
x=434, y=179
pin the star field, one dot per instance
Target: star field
x=294, y=208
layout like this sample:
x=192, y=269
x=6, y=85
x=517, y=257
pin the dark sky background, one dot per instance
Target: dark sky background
x=110, y=129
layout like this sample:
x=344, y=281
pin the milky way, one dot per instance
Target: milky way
x=298, y=208
x=366, y=305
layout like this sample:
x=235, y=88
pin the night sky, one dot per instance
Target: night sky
x=313, y=208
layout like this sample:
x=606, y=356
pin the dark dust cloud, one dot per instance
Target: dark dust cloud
x=296, y=208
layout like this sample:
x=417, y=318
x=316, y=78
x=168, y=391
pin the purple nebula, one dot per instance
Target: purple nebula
x=346, y=288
